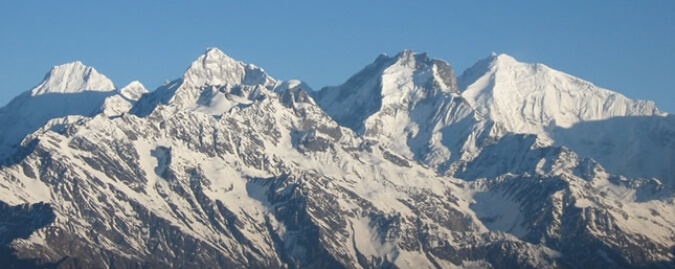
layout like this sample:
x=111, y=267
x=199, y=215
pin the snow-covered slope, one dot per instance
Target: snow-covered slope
x=227, y=167
x=529, y=98
x=69, y=89
x=396, y=83
x=633, y=146
x=214, y=83
x=629, y=137
x=125, y=99
x=406, y=103
x=73, y=77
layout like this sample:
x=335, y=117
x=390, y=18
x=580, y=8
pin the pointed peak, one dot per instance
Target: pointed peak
x=409, y=54
x=282, y=86
x=215, y=57
x=405, y=57
x=70, y=66
x=133, y=90
x=495, y=60
x=501, y=58
x=405, y=53
x=216, y=53
x=504, y=58
x=73, y=77
x=214, y=67
x=134, y=84
x=213, y=49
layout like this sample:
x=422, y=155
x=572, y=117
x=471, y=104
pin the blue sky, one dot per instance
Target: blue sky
x=626, y=46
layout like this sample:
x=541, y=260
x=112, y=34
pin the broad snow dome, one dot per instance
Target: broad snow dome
x=72, y=78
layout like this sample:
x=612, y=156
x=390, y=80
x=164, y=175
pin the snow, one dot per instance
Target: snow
x=282, y=86
x=403, y=102
x=584, y=203
x=124, y=100
x=626, y=136
x=72, y=78
x=408, y=106
x=527, y=98
x=69, y=89
x=216, y=68
x=133, y=91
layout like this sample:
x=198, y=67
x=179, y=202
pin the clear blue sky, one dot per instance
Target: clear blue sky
x=626, y=46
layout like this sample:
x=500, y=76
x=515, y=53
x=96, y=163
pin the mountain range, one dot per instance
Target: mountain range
x=405, y=165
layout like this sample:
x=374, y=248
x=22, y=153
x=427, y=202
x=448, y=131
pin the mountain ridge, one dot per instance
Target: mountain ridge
x=397, y=167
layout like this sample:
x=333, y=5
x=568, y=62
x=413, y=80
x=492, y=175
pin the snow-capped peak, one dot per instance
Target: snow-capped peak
x=253, y=178
x=134, y=90
x=282, y=86
x=213, y=84
x=214, y=67
x=122, y=102
x=503, y=59
x=524, y=97
x=410, y=58
x=398, y=82
x=72, y=78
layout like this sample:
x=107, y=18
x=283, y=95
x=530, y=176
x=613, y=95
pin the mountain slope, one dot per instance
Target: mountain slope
x=69, y=89
x=123, y=101
x=629, y=137
x=527, y=98
x=405, y=103
x=227, y=167
x=214, y=83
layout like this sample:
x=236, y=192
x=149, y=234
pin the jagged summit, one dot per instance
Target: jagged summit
x=214, y=67
x=71, y=78
x=397, y=100
x=400, y=82
x=122, y=102
x=228, y=168
x=213, y=84
x=410, y=57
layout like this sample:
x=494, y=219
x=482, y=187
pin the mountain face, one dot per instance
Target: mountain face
x=629, y=137
x=511, y=165
x=406, y=103
x=124, y=100
x=67, y=91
